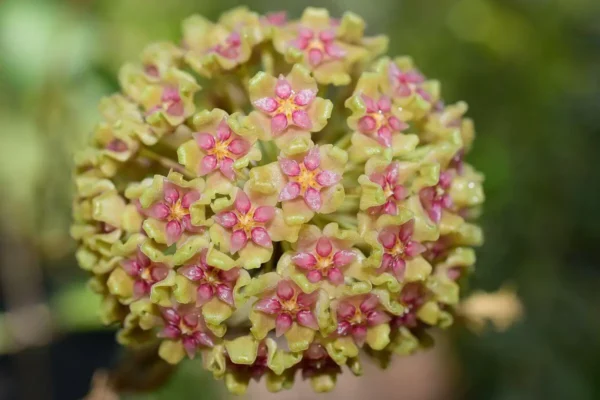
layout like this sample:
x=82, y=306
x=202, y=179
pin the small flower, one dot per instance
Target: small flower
x=328, y=46
x=278, y=18
x=145, y=273
x=288, y=106
x=157, y=58
x=408, y=82
x=407, y=86
x=354, y=320
x=306, y=179
x=435, y=199
x=305, y=183
x=317, y=362
x=398, y=248
x=412, y=297
x=246, y=221
x=173, y=209
x=318, y=46
x=214, y=47
x=393, y=191
x=185, y=325
x=288, y=305
x=221, y=149
x=379, y=120
x=167, y=101
x=324, y=261
x=211, y=281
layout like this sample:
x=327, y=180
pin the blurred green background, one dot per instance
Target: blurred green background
x=530, y=71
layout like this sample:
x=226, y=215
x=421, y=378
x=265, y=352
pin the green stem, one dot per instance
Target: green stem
x=350, y=204
x=166, y=162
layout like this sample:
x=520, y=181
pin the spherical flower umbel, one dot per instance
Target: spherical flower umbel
x=309, y=207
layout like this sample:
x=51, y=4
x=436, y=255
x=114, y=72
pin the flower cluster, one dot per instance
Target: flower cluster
x=310, y=203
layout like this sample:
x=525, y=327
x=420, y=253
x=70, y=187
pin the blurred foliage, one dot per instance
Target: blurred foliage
x=530, y=71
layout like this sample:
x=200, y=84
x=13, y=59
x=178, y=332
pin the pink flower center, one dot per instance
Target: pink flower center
x=289, y=304
x=230, y=48
x=437, y=198
x=324, y=262
x=398, y=247
x=319, y=46
x=353, y=320
x=177, y=211
x=379, y=121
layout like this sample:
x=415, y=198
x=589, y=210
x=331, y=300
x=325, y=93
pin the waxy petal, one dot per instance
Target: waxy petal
x=140, y=289
x=345, y=311
x=377, y=317
x=238, y=241
x=192, y=272
x=242, y=202
x=170, y=332
x=290, y=191
x=304, y=260
x=369, y=304
x=174, y=230
x=387, y=238
x=385, y=136
x=227, y=168
x=312, y=198
x=176, y=109
x=314, y=276
x=261, y=237
x=226, y=219
x=359, y=333
x=312, y=160
x=289, y=167
x=283, y=89
x=266, y=104
x=304, y=97
x=302, y=119
x=413, y=248
x=307, y=319
x=225, y=294
x=171, y=315
x=367, y=124
x=315, y=57
x=238, y=146
x=189, y=198
x=204, y=339
x=328, y=178
x=344, y=328
x=285, y=290
x=268, y=306
x=396, y=124
x=334, y=51
x=264, y=214
x=223, y=131
x=283, y=323
x=406, y=230
x=324, y=247
x=335, y=276
x=207, y=165
x=205, y=292
x=279, y=123
x=170, y=192
x=205, y=141
x=343, y=257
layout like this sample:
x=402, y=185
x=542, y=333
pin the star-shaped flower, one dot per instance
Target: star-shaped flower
x=288, y=108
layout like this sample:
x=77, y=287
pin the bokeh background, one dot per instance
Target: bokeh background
x=530, y=71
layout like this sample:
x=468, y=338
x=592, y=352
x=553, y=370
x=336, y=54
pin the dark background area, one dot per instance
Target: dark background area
x=530, y=72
